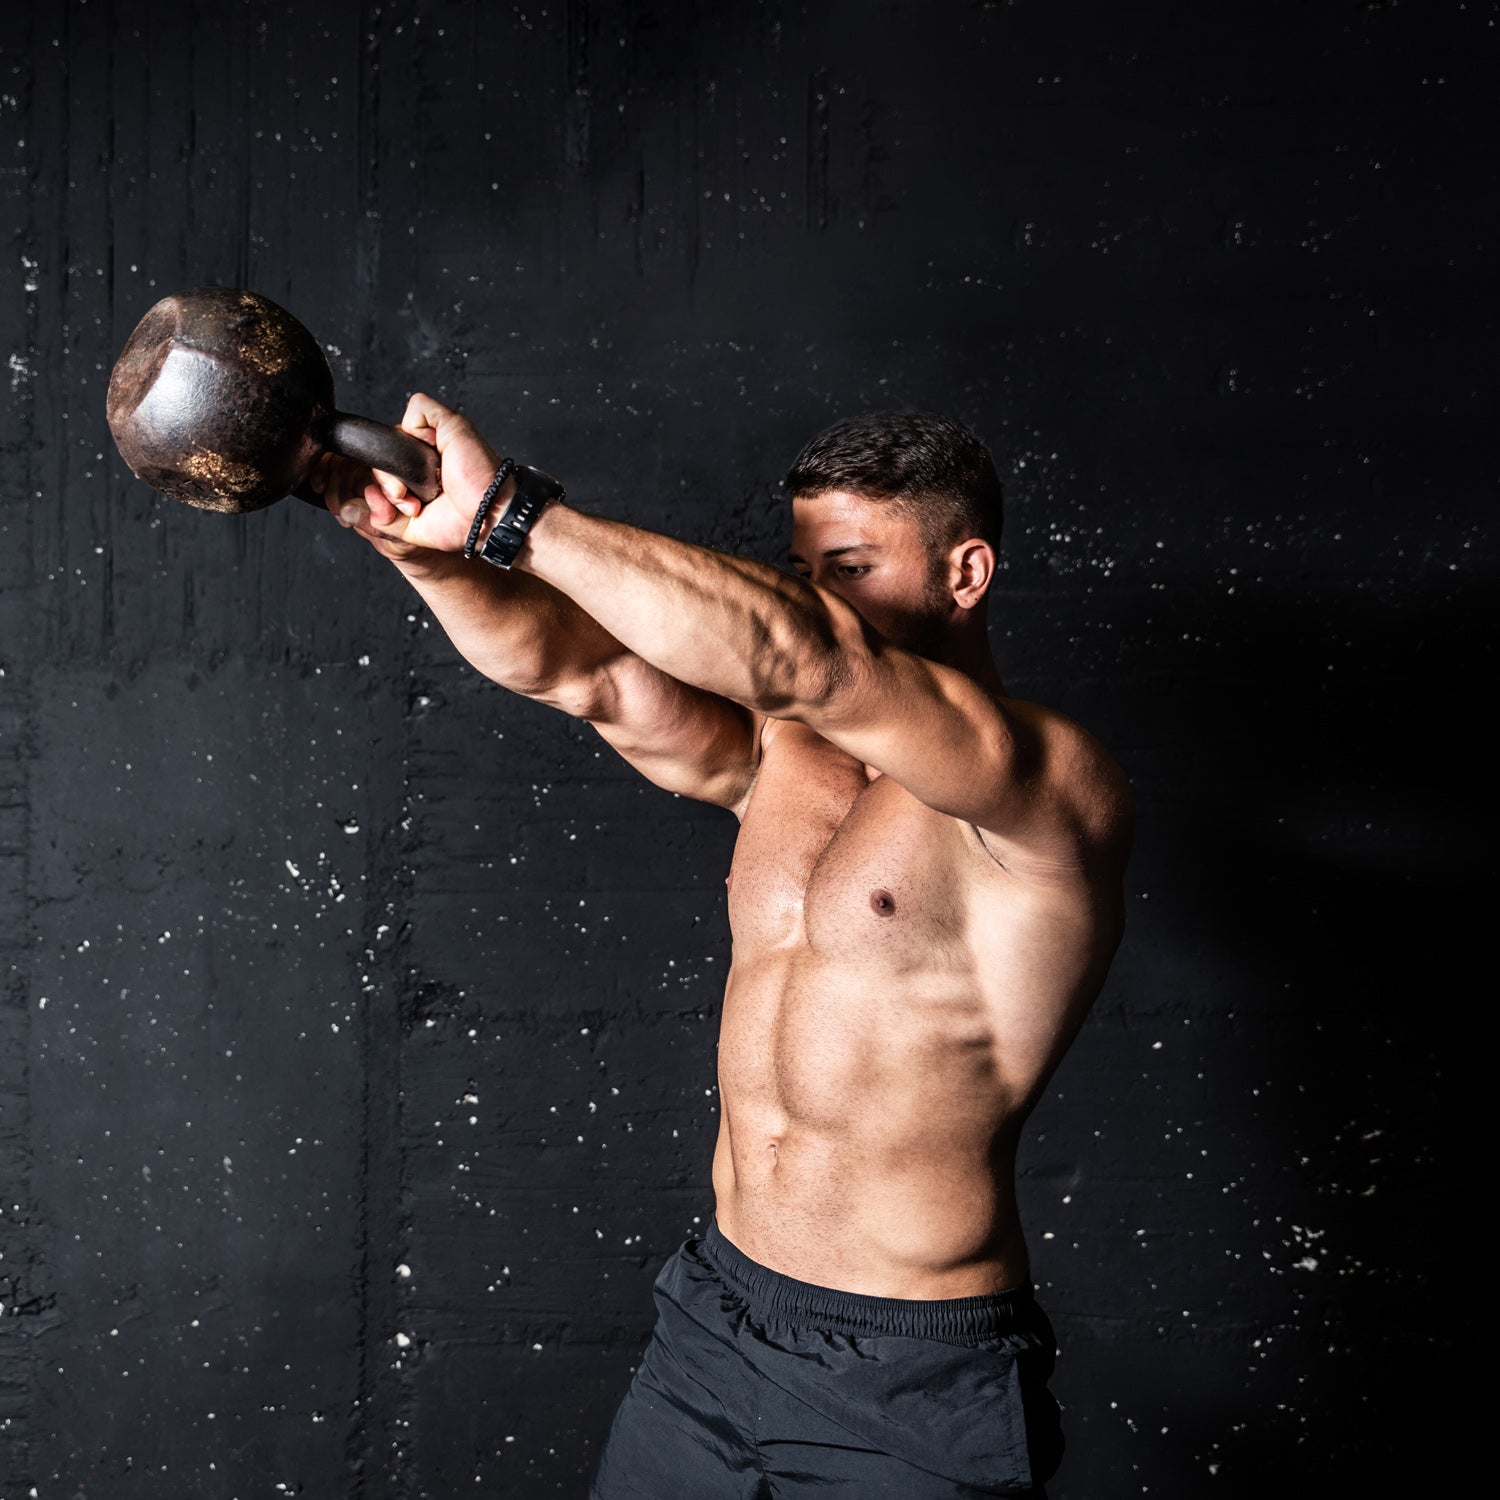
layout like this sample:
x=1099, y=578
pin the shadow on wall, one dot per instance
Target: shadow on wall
x=1306, y=805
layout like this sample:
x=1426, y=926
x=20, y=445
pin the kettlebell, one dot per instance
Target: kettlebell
x=222, y=399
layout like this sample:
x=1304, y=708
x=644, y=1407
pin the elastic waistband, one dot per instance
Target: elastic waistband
x=955, y=1319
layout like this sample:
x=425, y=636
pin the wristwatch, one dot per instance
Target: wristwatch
x=535, y=491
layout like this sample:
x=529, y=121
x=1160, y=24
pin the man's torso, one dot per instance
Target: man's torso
x=896, y=1000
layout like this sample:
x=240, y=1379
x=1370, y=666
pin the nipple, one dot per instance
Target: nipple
x=882, y=903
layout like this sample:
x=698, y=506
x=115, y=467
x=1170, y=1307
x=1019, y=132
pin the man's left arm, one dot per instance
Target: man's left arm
x=1037, y=785
x=783, y=647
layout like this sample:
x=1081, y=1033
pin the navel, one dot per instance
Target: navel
x=882, y=903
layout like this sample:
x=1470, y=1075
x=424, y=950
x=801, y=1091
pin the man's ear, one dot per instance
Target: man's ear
x=972, y=568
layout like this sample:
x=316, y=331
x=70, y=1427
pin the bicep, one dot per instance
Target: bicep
x=1036, y=784
x=938, y=733
x=682, y=738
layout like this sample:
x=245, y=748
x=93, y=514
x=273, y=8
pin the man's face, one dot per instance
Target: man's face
x=872, y=556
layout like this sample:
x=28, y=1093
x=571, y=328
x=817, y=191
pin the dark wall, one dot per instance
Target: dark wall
x=358, y=1021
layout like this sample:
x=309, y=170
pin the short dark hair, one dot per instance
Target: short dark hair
x=931, y=466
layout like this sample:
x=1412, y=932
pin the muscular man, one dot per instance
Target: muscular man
x=924, y=898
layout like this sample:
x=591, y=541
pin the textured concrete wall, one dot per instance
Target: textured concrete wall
x=357, y=1027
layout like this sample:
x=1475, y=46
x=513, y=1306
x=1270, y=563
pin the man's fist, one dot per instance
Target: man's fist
x=388, y=515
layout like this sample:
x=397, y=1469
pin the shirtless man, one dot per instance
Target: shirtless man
x=924, y=899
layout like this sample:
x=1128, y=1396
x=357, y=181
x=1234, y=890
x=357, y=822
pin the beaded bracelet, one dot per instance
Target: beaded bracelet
x=507, y=466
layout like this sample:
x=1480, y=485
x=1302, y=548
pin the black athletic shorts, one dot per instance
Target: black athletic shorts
x=758, y=1387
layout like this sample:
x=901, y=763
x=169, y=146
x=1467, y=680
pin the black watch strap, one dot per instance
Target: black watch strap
x=534, y=492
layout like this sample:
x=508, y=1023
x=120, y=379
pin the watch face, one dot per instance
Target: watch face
x=533, y=482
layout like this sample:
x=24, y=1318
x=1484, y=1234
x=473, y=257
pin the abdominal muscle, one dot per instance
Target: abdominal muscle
x=865, y=1141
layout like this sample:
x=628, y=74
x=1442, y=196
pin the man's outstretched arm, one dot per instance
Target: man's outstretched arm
x=782, y=647
x=527, y=636
x=738, y=629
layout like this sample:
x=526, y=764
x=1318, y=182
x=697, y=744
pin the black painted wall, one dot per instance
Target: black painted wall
x=357, y=1029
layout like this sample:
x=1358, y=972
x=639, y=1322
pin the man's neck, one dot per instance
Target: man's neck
x=969, y=652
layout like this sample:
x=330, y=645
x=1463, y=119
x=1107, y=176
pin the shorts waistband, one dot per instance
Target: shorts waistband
x=955, y=1319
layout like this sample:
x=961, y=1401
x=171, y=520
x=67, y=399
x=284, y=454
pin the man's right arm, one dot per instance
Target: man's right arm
x=528, y=636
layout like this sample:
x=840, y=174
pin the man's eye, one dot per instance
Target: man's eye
x=853, y=570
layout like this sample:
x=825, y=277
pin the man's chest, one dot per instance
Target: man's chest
x=855, y=870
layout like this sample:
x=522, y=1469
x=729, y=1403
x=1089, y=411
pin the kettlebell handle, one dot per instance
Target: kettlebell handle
x=390, y=449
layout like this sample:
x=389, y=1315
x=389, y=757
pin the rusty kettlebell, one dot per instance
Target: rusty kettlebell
x=222, y=399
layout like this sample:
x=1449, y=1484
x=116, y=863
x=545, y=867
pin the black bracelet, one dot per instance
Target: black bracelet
x=507, y=467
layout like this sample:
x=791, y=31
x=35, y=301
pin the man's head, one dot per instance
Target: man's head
x=899, y=513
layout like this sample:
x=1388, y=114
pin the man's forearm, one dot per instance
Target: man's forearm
x=515, y=629
x=730, y=625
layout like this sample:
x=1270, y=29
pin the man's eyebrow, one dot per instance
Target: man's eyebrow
x=840, y=551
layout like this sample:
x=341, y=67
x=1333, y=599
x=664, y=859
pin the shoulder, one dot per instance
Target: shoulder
x=1072, y=761
x=1085, y=810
